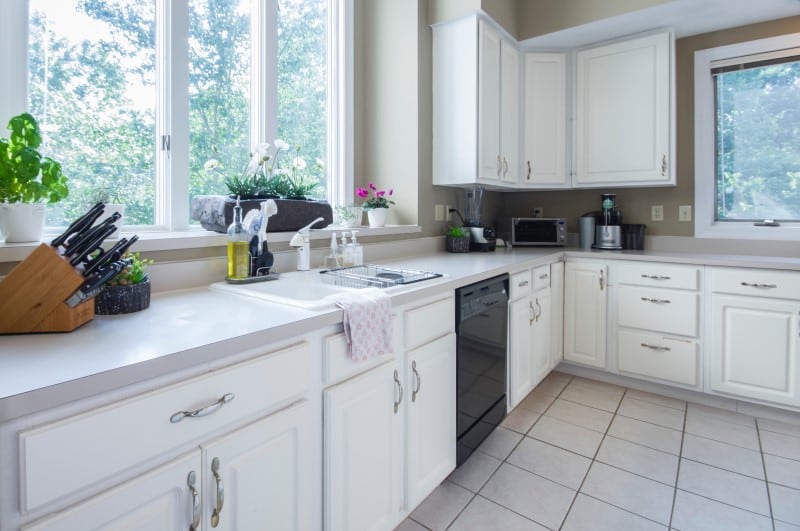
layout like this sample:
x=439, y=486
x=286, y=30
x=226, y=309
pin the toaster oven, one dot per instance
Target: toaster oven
x=539, y=232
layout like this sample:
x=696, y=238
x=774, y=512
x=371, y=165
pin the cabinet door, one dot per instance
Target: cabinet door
x=431, y=405
x=489, y=159
x=262, y=472
x=556, y=313
x=509, y=112
x=364, y=451
x=161, y=499
x=585, y=296
x=754, y=348
x=520, y=369
x=541, y=335
x=623, y=113
x=545, y=121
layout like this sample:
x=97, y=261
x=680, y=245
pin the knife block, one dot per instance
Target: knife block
x=32, y=295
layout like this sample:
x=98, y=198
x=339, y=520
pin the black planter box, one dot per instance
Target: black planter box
x=215, y=212
x=114, y=300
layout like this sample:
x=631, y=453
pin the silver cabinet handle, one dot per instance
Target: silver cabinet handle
x=528, y=177
x=543, y=277
x=656, y=347
x=203, y=411
x=505, y=166
x=192, y=481
x=657, y=301
x=220, y=493
x=523, y=284
x=539, y=310
x=400, y=388
x=657, y=277
x=499, y=165
x=532, y=313
x=602, y=279
x=758, y=285
x=416, y=389
x=664, y=165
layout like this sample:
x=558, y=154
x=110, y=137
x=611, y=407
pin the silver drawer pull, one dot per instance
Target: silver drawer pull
x=657, y=277
x=191, y=481
x=215, y=514
x=656, y=347
x=203, y=411
x=657, y=301
x=400, y=388
x=758, y=285
x=542, y=277
x=523, y=284
x=416, y=389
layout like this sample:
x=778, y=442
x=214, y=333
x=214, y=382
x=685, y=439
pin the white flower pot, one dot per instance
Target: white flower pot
x=21, y=222
x=377, y=216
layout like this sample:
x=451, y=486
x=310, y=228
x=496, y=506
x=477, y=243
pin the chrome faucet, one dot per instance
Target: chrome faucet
x=302, y=240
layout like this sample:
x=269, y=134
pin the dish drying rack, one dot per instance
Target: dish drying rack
x=374, y=276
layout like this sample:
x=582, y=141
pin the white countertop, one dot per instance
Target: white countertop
x=185, y=329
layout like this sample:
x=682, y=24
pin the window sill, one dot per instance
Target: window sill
x=789, y=232
x=194, y=239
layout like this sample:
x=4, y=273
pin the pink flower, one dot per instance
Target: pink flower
x=380, y=193
x=362, y=192
x=372, y=186
x=391, y=191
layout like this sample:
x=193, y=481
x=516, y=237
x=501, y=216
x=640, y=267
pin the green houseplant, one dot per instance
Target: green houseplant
x=129, y=291
x=457, y=240
x=27, y=181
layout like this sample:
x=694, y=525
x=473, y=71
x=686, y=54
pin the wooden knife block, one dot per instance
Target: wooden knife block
x=32, y=295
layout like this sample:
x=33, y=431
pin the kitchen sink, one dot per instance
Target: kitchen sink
x=304, y=290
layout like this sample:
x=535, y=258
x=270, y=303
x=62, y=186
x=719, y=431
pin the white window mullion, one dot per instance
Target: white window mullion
x=13, y=60
x=340, y=102
x=264, y=72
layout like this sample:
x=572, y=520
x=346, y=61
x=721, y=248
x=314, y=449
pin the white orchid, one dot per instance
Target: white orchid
x=280, y=145
x=299, y=163
x=211, y=164
x=259, y=157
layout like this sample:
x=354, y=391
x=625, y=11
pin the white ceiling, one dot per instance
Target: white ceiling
x=685, y=17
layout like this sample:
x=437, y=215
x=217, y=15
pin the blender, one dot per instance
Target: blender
x=608, y=230
x=481, y=238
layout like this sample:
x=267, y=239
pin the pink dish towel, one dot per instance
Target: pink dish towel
x=367, y=322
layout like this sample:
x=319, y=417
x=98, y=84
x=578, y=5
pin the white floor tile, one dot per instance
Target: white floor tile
x=565, y=435
x=537, y=401
x=693, y=512
x=439, y=509
x=721, y=414
x=653, y=464
x=520, y=420
x=784, y=526
x=410, y=525
x=653, y=413
x=500, y=443
x=553, y=463
x=475, y=471
x=604, y=399
x=646, y=434
x=589, y=514
x=551, y=386
x=780, y=427
x=484, y=515
x=780, y=445
x=733, y=458
x=628, y=491
x=596, y=384
x=719, y=430
x=661, y=400
x=785, y=503
x=782, y=471
x=724, y=486
x=530, y=495
x=580, y=415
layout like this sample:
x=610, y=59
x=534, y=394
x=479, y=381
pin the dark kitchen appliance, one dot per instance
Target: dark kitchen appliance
x=608, y=227
x=481, y=360
x=482, y=238
x=540, y=232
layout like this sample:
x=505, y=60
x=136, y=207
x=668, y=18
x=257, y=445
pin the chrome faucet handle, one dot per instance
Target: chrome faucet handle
x=308, y=227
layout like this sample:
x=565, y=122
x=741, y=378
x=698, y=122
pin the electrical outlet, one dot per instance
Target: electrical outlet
x=447, y=215
x=657, y=212
x=438, y=212
x=538, y=212
x=685, y=213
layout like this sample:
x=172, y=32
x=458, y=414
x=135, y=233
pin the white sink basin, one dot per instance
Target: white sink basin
x=305, y=290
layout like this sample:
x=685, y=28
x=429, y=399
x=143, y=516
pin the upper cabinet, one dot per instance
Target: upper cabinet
x=623, y=114
x=476, y=99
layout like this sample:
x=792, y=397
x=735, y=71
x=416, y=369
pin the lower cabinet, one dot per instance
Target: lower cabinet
x=585, y=300
x=556, y=313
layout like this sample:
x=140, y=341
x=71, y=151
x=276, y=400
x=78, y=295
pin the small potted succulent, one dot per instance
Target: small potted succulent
x=127, y=292
x=457, y=240
x=376, y=206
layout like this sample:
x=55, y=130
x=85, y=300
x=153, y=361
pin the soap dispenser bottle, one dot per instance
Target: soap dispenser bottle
x=358, y=249
x=345, y=252
x=238, y=246
x=332, y=260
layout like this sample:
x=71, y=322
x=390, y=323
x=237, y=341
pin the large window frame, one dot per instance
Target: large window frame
x=172, y=174
x=706, y=225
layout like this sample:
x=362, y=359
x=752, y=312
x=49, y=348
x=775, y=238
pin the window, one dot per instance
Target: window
x=747, y=135
x=134, y=96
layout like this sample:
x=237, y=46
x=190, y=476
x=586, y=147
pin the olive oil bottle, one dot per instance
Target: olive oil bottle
x=238, y=246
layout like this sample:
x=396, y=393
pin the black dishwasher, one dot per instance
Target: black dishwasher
x=481, y=358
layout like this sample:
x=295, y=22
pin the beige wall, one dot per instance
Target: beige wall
x=635, y=202
x=441, y=10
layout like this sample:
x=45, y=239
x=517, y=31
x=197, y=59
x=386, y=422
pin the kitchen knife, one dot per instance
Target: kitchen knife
x=77, y=244
x=92, y=245
x=83, y=222
x=92, y=285
x=111, y=255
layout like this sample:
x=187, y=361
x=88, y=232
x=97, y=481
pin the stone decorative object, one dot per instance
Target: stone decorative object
x=130, y=298
x=215, y=212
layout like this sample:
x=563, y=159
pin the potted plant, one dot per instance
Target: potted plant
x=349, y=216
x=457, y=240
x=127, y=292
x=376, y=206
x=27, y=181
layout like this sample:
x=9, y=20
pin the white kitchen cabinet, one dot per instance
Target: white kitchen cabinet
x=520, y=363
x=364, y=446
x=623, y=114
x=556, y=313
x=545, y=121
x=754, y=349
x=585, y=309
x=476, y=99
x=542, y=335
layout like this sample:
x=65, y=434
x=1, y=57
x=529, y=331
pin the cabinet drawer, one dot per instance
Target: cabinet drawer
x=426, y=323
x=674, y=360
x=669, y=311
x=67, y=456
x=337, y=364
x=659, y=275
x=756, y=282
x=520, y=285
x=541, y=277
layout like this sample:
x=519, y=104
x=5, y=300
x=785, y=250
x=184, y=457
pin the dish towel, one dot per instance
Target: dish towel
x=367, y=322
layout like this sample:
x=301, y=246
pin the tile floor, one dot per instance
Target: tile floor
x=579, y=454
